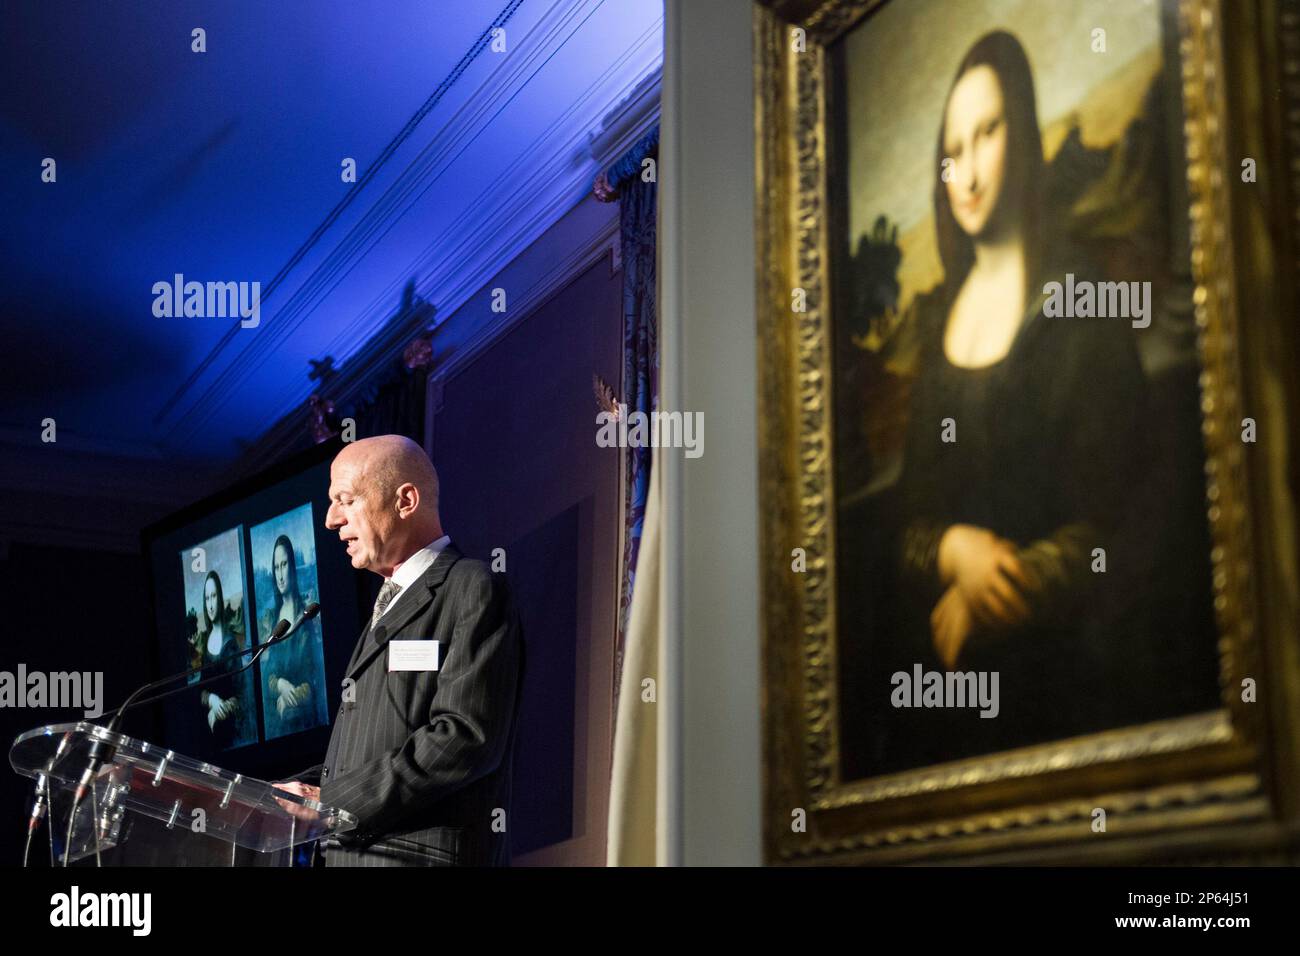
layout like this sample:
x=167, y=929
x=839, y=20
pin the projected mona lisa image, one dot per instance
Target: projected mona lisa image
x=293, y=671
x=1011, y=483
x=216, y=629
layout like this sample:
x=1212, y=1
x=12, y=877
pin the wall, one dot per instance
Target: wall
x=513, y=435
x=709, y=356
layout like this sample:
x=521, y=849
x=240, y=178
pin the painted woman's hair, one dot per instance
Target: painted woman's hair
x=221, y=601
x=1025, y=168
x=284, y=542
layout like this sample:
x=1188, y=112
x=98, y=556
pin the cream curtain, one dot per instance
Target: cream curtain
x=633, y=810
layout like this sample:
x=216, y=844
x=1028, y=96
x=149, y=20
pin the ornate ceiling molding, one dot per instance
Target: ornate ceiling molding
x=557, y=166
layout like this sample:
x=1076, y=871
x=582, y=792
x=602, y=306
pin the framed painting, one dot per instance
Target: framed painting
x=1025, y=577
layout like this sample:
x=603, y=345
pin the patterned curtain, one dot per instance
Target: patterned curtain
x=635, y=187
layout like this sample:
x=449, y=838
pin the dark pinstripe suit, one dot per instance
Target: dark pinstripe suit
x=423, y=758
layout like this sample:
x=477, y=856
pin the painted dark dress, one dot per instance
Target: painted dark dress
x=1050, y=453
x=237, y=729
x=299, y=660
x=1064, y=446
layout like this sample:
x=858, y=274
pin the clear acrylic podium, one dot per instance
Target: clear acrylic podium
x=150, y=806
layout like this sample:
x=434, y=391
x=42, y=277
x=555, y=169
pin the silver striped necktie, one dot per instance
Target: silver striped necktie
x=386, y=595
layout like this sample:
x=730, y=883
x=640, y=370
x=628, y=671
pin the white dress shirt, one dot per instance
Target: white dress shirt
x=410, y=570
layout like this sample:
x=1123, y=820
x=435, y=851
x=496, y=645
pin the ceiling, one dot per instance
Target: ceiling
x=225, y=166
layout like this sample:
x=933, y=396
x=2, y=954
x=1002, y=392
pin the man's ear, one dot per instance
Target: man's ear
x=408, y=499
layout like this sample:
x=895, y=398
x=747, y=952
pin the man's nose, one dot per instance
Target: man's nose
x=331, y=520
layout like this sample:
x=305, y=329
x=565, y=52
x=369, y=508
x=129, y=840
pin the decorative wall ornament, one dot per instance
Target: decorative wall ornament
x=322, y=423
x=602, y=190
x=611, y=183
x=322, y=370
x=605, y=397
x=419, y=352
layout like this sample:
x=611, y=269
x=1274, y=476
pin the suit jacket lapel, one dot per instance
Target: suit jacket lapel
x=405, y=608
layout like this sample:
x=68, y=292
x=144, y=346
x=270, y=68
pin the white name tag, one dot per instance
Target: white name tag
x=412, y=655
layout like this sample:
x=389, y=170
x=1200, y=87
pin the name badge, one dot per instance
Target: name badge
x=412, y=656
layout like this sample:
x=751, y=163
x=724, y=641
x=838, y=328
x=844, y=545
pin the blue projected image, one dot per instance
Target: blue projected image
x=284, y=582
x=215, y=628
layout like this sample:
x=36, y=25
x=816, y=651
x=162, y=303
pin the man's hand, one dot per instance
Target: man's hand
x=950, y=625
x=302, y=790
x=987, y=571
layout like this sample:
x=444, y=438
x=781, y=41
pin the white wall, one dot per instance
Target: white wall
x=708, y=349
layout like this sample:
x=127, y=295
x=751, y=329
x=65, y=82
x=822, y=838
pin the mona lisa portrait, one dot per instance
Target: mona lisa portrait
x=284, y=575
x=1021, y=484
x=217, y=633
x=999, y=433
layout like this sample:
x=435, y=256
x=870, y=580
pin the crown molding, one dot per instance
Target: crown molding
x=457, y=267
x=600, y=244
x=626, y=123
x=557, y=168
x=585, y=247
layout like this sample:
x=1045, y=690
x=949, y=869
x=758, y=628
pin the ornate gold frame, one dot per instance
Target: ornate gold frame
x=1162, y=784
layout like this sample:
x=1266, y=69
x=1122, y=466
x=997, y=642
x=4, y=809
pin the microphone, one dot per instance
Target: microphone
x=42, y=803
x=102, y=751
x=282, y=631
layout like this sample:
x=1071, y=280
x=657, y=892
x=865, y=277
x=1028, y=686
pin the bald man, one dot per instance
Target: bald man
x=420, y=753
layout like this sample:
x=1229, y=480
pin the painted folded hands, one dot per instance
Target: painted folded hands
x=289, y=695
x=220, y=708
x=992, y=586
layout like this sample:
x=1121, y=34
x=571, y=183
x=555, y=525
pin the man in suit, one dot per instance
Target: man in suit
x=420, y=756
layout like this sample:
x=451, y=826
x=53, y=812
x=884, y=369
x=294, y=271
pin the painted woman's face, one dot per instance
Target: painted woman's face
x=210, y=599
x=281, y=569
x=975, y=139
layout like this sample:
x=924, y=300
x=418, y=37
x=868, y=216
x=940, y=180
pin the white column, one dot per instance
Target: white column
x=709, y=720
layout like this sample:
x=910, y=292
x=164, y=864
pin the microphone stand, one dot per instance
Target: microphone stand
x=42, y=803
x=101, y=751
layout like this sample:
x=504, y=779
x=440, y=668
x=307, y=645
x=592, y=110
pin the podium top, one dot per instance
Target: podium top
x=182, y=792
